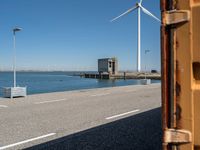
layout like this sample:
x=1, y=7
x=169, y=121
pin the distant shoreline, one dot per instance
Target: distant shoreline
x=66, y=71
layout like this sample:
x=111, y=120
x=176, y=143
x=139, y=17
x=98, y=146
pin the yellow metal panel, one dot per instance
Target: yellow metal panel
x=196, y=1
x=196, y=33
x=196, y=70
x=188, y=58
x=197, y=117
x=184, y=68
x=182, y=57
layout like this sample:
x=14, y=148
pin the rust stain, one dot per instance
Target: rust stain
x=196, y=1
x=180, y=52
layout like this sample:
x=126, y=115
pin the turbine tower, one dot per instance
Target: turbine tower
x=139, y=7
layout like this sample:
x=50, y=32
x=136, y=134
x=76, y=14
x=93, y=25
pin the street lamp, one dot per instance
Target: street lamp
x=146, y=81
x=146, y=51
x=14, y=54
x=14, y=91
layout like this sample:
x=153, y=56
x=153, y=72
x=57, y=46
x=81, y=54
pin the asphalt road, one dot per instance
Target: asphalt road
x=126, y=117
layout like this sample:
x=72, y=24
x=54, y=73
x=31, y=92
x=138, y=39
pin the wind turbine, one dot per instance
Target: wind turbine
x=139, y=7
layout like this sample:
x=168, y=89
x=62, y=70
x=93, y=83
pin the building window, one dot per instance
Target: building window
x=110, y=64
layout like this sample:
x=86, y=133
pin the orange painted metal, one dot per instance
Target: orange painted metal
x=180, y=52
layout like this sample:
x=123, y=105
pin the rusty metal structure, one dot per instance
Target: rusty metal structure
x=180, y=52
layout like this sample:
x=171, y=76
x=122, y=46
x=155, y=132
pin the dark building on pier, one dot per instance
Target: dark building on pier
x=108, y=65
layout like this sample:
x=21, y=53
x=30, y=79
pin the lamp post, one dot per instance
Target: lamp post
x=146, y=81
x=14, y=54
x=146, y=51
x=14, y=91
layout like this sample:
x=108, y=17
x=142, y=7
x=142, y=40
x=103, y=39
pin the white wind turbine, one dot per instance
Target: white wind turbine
x=139, y=7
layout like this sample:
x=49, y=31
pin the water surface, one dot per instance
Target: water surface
x=45, y=82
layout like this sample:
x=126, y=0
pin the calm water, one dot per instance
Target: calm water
x=44, y=82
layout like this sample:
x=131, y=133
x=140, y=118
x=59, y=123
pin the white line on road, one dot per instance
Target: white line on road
x=26, y=141
x=123, y=114
x=103, y=94
x=52, y=101
x=3, y=106
x=128, y=91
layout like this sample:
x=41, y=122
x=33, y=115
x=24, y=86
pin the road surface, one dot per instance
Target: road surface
x=127, y=117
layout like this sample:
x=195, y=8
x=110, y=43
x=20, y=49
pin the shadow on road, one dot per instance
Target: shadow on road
x=138, y=132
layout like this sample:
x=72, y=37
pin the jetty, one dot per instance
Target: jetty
x=108, y=69
x=123, y=75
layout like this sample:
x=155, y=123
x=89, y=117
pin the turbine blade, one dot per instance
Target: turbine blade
x=127, y=12
x=149, y=13
x=141, y=1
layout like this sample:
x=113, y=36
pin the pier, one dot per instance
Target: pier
x=123, y=75
x=96, y=76
x=119, y=117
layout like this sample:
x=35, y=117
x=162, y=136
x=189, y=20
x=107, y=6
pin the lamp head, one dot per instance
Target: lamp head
x=146, y=51
x=16, y=29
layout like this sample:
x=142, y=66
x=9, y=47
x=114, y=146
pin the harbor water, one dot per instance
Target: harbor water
x=46, y=82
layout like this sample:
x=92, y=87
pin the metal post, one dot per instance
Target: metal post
x=14, y=54
x=146, y=51
x=139, y=42
x=14, y=59
x=14, y=91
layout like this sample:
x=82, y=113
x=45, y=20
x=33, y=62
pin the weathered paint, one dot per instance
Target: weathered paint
x=181, y=71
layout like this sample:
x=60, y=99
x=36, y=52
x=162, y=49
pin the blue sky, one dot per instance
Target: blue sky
x=73, y=34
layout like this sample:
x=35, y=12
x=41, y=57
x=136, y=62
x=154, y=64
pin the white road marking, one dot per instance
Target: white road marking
x=52, y=101
x=103, y=94
x=26, y=141
x=123, y=114
x=130, y=91
x=3, y=106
